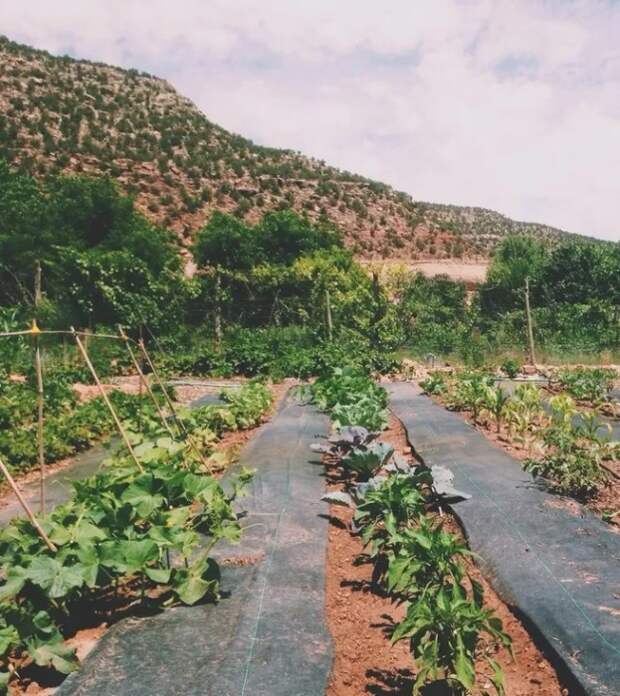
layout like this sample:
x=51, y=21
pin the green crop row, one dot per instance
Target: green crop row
x=416, y=560
x=145, y=527
x=565, y=445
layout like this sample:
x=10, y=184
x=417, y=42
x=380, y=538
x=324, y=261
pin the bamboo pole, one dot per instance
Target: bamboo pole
x=40, y=396
x=26, y=507
x=218, y=309
x=181, y=428
x=328, y=313
x=161, y=384
x=107, y=401
x=144, y=381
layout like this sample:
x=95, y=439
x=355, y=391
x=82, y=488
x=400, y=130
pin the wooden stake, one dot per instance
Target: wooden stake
x=181, y=428
x=218, y=309
x=26, y=507
x=530, y=331
x=40, y=443
x=144, y=381
x=107, y=401
x=39, y=377
x=328, y=315
x=160, y=382
x=37, y=284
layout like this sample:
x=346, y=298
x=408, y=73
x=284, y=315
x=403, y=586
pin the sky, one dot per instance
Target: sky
x=512, y=105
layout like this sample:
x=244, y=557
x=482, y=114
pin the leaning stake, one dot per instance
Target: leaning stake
x=26, y=507
x=144, y=381
x=177, y=420
x=108, y=403
x=161, y=384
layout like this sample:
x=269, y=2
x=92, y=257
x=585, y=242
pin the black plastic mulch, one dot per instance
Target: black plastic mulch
x=267, y=636
x=58, y=486
x=551, y=559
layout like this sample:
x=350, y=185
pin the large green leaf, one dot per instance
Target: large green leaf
x=90, y=563
x=464, y=665
x=51, y=575
x=137, y=554
x=159, y=575
x=142, y=499
x=193, y=583
x=9, y=637
x=58, y=655
x=15, y=579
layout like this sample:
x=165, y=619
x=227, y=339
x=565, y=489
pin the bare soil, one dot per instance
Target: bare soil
x=360, y=618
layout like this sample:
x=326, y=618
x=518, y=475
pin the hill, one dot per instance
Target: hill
x=58, y=114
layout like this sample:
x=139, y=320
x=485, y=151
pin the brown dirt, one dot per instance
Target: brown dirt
x=360, y=618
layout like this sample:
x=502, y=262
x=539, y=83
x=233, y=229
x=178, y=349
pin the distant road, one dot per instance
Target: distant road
x=471, y=272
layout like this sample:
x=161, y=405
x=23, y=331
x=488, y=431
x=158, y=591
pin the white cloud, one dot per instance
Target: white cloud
x=513, y=105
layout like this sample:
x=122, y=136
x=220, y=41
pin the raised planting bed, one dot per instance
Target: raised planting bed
x=361, y=614
x=572, y=446
x=557, y=564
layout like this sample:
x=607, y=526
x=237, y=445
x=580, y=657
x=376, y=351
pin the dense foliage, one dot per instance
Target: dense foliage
x=102, y=262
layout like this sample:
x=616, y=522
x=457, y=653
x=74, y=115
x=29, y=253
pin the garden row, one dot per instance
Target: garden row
x=69, y=426
x=569, y=446
x=143, y=530
x=416, y=561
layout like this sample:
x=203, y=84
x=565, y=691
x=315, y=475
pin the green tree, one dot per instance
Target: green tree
x=518, y=257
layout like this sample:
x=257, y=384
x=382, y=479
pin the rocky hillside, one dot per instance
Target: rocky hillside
x=62, y=115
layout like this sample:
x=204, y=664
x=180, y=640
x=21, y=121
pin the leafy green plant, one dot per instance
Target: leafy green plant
x=444, y=629
x=496, y=401
x=351, y=397
x=572, y=470
x=396, y=503
x=366, y=460
x=587, y=383
x=575, y=451
x=143, y=528
x=435, y=383
x=510, y=367
x=470, y=392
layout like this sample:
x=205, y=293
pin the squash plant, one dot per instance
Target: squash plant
x=154, y=527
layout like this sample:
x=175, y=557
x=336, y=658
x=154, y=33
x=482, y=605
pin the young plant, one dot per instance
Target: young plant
x=587, y=383
x=444, y=628
x=435, y=383
x=510, y=367
x=396, y=503
x=496, y=402
x=366, y=460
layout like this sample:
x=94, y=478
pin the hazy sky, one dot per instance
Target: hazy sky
x=512, y=105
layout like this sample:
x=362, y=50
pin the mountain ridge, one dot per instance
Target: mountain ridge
x=66, y=115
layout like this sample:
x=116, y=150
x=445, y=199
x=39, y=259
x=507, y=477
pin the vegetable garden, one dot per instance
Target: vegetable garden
x=140, y=530
x=282, y=299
